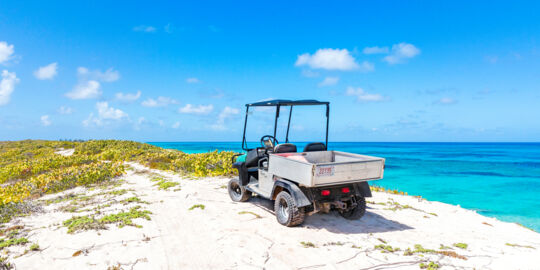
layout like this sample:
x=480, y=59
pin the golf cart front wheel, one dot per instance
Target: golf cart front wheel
x=237, y=192
x=287, y=213
x=356, y=212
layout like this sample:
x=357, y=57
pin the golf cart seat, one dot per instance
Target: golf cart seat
x=317, y=146
x=252, y=158
x=285, y=148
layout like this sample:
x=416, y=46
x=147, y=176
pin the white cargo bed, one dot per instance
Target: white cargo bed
x=324, y=168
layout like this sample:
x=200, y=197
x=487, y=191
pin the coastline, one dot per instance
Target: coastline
x=486, y=177
x=397, y=230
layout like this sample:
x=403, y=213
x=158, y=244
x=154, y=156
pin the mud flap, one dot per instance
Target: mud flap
x=298, y=196
x=362, y=189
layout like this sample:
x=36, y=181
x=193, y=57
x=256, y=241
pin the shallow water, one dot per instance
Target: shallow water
x=501, y=180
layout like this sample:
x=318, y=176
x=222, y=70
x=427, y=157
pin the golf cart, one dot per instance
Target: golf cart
x=313, y=180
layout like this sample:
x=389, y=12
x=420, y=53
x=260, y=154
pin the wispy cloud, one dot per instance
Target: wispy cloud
x=7, y=86
x=192, y=80
x=45, y=120
x=331, y=59
x=6, y=52
x=401, y=52
x=375, y=50
x=85, y=90
x=159, y=102
x=109, y=75
x=168, y=28
x=446, y=101
x=46, y=72
x=309, y=73
x=176, y=125
x=144, y=28
x=492, y=59
x=128, y=97
x=65, y=110
x=328, y=81
x=200, y=109
x=362, y=95
x=225, y=114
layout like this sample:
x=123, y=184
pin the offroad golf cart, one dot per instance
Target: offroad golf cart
x=303, y=182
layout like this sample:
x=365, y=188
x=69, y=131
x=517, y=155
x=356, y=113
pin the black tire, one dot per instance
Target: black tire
x=357, y=212
x=286, y=211
x=237, y=192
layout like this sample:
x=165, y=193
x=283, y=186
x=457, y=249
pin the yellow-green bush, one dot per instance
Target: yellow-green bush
x=29, y=169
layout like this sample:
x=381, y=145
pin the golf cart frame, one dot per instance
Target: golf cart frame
x=307, y=182
x=278, y=103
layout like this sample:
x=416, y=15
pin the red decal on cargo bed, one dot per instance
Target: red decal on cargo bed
x=325, y=171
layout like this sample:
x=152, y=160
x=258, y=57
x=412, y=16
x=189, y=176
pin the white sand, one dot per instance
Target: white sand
x=218, y=237
x=65, y=152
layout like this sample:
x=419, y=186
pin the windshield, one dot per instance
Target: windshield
x=308, y=124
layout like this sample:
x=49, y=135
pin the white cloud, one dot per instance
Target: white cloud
x=362, y=95
x=6, y=51
x=375, y=50
x=85, y=90
x=446, y=101
x=89, y=82
x=331, y=59
x=105, y=114
x=45, y=120
x=46, y=72
x=329, y=81
x=159, y=102
x=225, y=114
x=192, y=80
x=110, y=75
x=65, y=110
x=128, y=97
x=7, y=86
x=176, y=125
x=200, y=109
x=400, y=52
x=144, y=28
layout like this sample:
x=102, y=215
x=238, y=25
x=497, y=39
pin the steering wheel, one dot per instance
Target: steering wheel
x=266, y=138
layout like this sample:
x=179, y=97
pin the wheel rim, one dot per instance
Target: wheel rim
x=283, y=209
x=236, y=190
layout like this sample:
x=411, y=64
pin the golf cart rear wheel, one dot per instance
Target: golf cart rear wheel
x=356, y=212
x=237, y=192
x=286, y=211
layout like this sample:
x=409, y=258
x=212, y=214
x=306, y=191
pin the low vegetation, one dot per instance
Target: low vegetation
x=30, y=169
x=460, y=245
x=121, y=219
x=308, y=244
x=250, y=213
x=429, y=266
x=200, y=206
x=386, y=248
x=516, y=245
x=164, y=184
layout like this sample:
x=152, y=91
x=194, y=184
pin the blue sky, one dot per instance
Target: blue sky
x=166, y=71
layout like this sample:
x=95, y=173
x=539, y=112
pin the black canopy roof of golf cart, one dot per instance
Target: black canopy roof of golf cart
x=284, y=102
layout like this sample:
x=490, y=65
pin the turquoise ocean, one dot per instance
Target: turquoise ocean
x=499, y=180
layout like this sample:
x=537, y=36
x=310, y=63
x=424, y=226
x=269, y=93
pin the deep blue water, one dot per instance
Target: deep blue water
x=500, y=180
